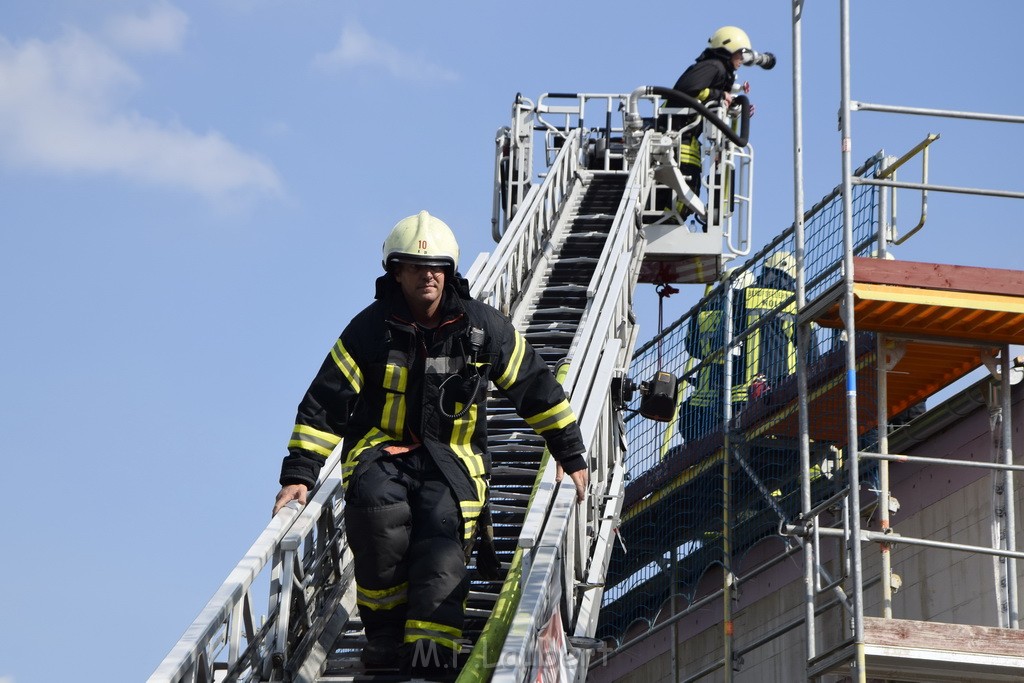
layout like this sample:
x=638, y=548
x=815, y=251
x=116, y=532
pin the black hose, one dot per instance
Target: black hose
x=695, y=104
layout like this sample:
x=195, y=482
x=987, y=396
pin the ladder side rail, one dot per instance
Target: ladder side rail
x=478, y=265
x=590, y=397
x=519, y=228
x=611, y=466
x=625, y=233
x=309, y=561
x=520, y=156
x=596, y=326
x=511, y=266
x=490, y=284
x=500, y=207
x=519, y=173
x=213, y=624
x=723, y=154
x=589, y=611
x=590, y=400
x=600, y=327
x=184, y=659
x=603, y=517
x=738, y=228
x=543, y=584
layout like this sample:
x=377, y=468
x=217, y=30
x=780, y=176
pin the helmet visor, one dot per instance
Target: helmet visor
x=420, y=260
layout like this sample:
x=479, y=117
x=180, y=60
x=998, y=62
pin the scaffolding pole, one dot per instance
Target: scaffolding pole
x=803, y=338
x=853, y=509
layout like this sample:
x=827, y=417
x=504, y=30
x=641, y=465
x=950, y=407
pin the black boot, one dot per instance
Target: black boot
x=433, y=662
x=382, y=653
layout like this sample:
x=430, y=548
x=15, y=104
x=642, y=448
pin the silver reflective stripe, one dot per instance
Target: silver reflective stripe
x=445, y=366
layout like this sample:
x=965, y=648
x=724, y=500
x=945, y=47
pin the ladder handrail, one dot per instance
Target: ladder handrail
x=217, y=623
x=510, y=266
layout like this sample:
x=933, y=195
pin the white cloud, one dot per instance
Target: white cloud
x=356, y=48
x=162, y=29
x=59, y=111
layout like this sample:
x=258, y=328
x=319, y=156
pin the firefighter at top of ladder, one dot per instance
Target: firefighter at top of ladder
x=710, y=79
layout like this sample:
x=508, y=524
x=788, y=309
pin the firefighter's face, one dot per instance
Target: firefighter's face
x=422, y=285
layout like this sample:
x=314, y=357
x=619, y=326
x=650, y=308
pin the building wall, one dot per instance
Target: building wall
x=942, y=503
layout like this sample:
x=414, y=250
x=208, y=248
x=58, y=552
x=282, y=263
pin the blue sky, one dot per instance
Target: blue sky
x=192, y=201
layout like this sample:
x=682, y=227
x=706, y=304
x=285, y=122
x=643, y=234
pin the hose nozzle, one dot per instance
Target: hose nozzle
x=765, y=60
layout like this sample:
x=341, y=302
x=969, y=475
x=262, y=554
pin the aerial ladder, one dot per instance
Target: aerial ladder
x=570, y=251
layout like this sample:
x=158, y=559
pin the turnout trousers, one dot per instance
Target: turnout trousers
x=405, y=531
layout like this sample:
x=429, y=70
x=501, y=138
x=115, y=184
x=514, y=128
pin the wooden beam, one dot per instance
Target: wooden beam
x=940, y=276
x=928, y=635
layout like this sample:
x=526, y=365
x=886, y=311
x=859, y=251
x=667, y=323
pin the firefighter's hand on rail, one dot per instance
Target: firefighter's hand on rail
x=580, y=478
x=289, y=493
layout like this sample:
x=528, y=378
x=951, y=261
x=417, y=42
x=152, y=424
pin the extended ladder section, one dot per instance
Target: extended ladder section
x=563, y=271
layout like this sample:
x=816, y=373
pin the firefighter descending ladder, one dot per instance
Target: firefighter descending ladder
x=570, y=252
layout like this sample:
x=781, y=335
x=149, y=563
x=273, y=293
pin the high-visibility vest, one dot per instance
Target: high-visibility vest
x=770, y=349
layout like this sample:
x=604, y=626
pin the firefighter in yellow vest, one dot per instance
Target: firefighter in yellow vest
x=705, y=341
x=405, y=389
x=769, y=351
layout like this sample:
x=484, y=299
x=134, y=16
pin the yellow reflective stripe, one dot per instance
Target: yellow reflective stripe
x=429, y=630
x=387, y=598
x=434, y=626
x=395, y=377
x=704, y=94
x=461, y=440
x=689, y=152
x=471, y=510
x=752, y=350
x=348, y=366
x=310, y=439
x=508, y=377
x=790, y=334
x=392, y=420
x=554, y=418
x=372, y=438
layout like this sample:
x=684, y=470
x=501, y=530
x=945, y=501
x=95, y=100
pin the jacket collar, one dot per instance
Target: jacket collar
x=456, y=290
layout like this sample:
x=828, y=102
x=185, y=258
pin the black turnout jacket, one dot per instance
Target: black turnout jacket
x=708, y=78
x=389, y=382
